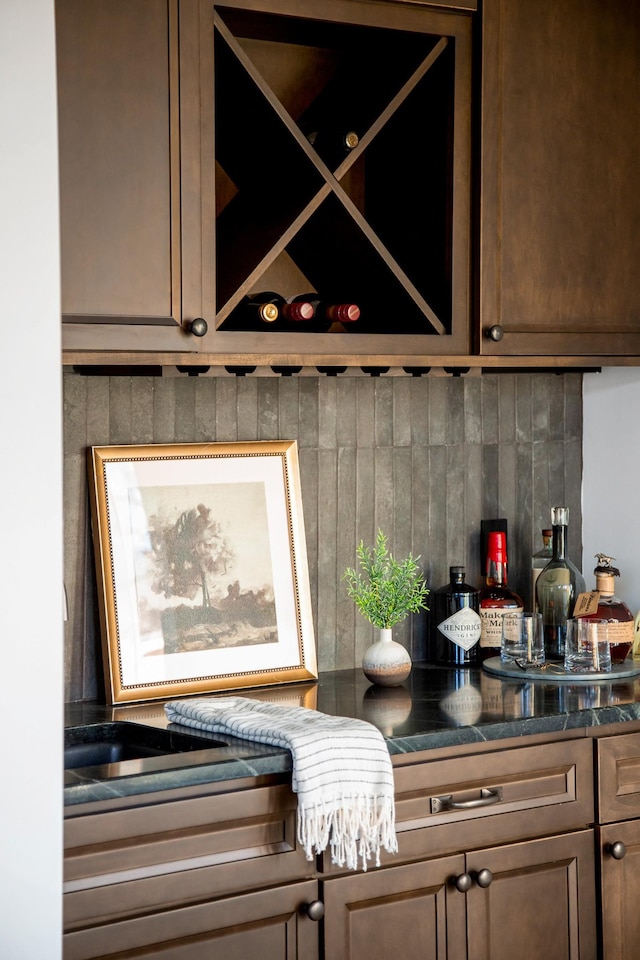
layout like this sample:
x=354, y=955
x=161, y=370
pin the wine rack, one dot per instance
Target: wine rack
x=385, y=224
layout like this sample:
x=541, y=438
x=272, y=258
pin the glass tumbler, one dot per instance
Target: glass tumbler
x=587, y=646
x=522, y=639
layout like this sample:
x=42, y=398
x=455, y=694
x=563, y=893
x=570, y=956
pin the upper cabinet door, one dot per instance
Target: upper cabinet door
x=560, y=197
x=120, y=205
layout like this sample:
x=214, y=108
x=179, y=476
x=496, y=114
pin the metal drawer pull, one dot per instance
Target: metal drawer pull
x=488, y=795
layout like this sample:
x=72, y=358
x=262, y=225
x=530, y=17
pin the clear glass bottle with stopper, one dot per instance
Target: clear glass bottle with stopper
x=539, y=560
x=558, y=587
x=612, y=609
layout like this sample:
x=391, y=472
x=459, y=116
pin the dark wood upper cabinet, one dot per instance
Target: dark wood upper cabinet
x=197, y=167
x=120, y=175
x=560, y=191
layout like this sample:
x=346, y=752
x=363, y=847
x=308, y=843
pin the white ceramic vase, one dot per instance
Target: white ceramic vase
x=386, y=662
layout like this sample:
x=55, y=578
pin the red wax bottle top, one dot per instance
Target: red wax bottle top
x=497, y=547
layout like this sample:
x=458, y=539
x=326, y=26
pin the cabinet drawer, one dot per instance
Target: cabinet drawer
x=494, y=797
x=618, y=777
x=178, y=851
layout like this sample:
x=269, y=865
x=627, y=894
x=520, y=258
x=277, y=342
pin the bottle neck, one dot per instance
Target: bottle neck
x=559, y=542
x=496, y=575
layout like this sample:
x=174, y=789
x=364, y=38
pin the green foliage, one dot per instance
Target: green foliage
x=387, y=590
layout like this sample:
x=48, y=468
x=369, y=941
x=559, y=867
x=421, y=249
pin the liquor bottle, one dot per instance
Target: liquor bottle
x=268, y=310
x=611, y=608
x=557, y=588
x=455, y=622
x=539, y=560
x=496, y=598
x=325, y=314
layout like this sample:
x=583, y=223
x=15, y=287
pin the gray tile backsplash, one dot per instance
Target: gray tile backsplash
x=424, y=458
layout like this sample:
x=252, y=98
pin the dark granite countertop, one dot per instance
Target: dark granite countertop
x=435, y=707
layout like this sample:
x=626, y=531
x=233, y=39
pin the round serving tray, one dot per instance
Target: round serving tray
x=555, y=672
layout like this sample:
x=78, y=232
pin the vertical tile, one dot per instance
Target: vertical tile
x=491, y=407
x=226, y=412
x=205, y=410
x=455, y=418
x=308, y=462
x=75, y=422
x=120, y=410
x=346, y=412
x=540, y=406
x=438, y=396
x=557, y=420
x=142, y=409
x=268, y=409
x=439, y=506
x=164, y=410
x=490, y=480
x=288, y=408
x=573, y=405
x=419, y=407
x=365, y=411
x=96, y=411
x=185, y=409
x=327, y=413
x=247, y=407
x=523, y=408
x=383, y=491
x=383, y=400
x=328, y=654
x=472, y=387
x=506, y=398
x=345, y=536
x=309, y=401
x=402, y=420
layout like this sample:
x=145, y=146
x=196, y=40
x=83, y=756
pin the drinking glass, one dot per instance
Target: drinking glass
x=587, y=646
x=522, y=639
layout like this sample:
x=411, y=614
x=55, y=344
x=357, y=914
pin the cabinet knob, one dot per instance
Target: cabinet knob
x=198, y=327
x=315, y=910
x=495, y=333
x=463, y=882
x=484, y=878
x=617, y=850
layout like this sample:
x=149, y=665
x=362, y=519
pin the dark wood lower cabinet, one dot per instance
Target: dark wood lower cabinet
x=266, y=925
x=538, y=900
x=620, y=883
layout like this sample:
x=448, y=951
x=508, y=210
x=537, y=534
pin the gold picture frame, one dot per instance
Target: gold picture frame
x=201, y=566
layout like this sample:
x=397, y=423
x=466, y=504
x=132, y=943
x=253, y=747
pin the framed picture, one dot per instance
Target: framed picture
x=202, y=568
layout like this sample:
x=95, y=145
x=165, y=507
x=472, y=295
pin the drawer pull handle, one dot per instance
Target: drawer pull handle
x=315, y=910
x=488, y=795
x=463, y=882
x=617, y=850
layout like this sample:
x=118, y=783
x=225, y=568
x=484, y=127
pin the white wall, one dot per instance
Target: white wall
x=611, y=482
x=31, y=665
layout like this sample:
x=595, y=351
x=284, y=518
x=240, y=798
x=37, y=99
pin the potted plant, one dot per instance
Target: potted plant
x=385, y=591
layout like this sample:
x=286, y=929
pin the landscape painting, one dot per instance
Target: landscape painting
x=202, y=567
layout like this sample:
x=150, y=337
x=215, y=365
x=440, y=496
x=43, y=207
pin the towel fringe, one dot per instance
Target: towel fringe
x=354, y=828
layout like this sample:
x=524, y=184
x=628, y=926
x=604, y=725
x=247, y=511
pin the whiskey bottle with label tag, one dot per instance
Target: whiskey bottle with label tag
x=612, y=609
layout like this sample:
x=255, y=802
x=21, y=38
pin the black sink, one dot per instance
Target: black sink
x=119, y=740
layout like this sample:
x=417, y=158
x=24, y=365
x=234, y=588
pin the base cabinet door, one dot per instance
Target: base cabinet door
x=414, y=912
x=266, y=925
x=533, y=899
x=620, y=882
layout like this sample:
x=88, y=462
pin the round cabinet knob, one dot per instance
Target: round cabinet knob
x=315, y=910
x=617, y=850
x=495, y=333
x=484, y=878
x=463, y=882
x=198, y=327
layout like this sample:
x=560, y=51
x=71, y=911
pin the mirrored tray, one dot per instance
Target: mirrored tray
x=552, y=672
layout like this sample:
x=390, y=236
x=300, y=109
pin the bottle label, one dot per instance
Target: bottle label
x=586, y=604
x=491, y=619
x=462, y=628
x=620, y=631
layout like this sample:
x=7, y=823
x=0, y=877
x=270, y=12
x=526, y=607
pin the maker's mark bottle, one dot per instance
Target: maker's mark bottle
x=496, y=599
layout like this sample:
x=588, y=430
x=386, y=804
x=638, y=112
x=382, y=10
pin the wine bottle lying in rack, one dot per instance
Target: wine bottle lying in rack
x=332, y=145
x=270, y=311
x=326, y=314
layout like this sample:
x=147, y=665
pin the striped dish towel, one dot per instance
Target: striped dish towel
x=342, y=771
